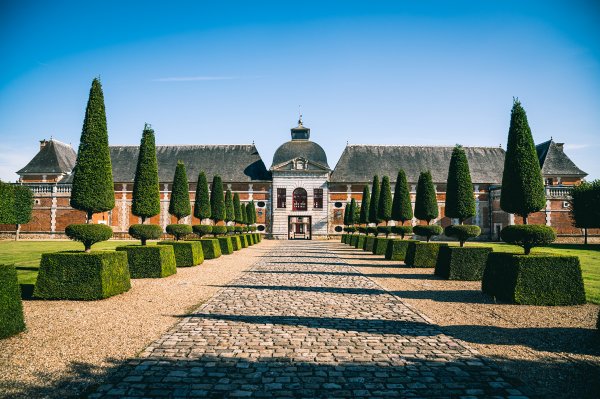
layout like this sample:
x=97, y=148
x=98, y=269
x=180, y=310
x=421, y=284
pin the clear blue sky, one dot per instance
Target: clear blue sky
x=419, y=72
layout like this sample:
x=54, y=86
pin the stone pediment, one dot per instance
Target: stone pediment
x=300, y=164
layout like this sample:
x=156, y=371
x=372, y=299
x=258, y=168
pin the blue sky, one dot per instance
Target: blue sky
x=426, y=72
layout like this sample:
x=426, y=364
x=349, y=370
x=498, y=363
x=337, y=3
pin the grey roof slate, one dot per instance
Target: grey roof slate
x=300, y=148
x=54, y=157
x=554, y=161
x=359, y=163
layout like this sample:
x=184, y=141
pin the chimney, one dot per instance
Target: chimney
x=43, y=143
x=560, y=146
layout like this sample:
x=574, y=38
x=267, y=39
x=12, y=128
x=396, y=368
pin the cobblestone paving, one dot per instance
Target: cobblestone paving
x=302, y=323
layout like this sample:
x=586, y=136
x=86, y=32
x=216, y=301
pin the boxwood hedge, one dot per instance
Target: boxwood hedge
x=187, y=253
x=243, y=240
x=144, y=232
x=250, y=239
x=82, y=275
x=236, y=243
x=202, y=229
x=150, y=261
x=11, y=307
x=179, y=230
x=380, y=246
x=226, y=245
x=344, y=236
x=360, y=241
x=423, y=254
x=539, y=279
x=462, y=263
x=396, y=249
x=354, y=240
x=369, y=243
x=211, y=248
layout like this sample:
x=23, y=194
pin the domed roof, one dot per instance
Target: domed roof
x=300, y=148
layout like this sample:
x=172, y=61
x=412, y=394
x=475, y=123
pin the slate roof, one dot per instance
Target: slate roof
x=300, y=148
x=554, y=161
x=359, y=163
x=55, y=157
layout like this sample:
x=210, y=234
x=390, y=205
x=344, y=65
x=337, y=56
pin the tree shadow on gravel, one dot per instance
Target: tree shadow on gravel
x=330, y=290
x=461, y=296
x=352, y=274
x=321, y=263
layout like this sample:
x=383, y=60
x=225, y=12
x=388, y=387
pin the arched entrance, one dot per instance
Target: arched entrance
x=299, y=226
x=299, y=199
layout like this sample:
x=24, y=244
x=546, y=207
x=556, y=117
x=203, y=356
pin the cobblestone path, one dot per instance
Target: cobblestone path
x=302, y=323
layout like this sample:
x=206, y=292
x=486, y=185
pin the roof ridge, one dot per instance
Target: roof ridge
x=418, y=146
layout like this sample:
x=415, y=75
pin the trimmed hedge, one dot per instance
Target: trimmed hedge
x=202, y=229
x=150, y=261
x=343, y=240
x=396, y=249
x=534, y=279
x=462, y=263
x=369, y=243
x=219, y=230
x=236, y=243
x=11, y=307
x=422, y=254
x=187, y=253
x=179, y=230
x=462, y=232
x=428, y=231
x=250, y=239
x=243, y=240
x=88, y=234
x=528, y=235
x=259, y=236
x=82, y=275
x=145, y=232
x=372, y=230
x=211, y=248
x=360, y=242
x=385, y=230
x=226, y=245
x=354, y=240
x=380, y=246
x=402, y=230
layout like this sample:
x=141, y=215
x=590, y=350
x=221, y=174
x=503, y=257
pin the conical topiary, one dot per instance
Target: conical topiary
x=93, y=189
x=237, y=208
x=352, y=212
x=229, y=210
x=384, y=209
x=346, y=215
x=522, y=184
x=401, y=205
x=364, y=207
x=249, y=216
x=179, y=206
x=202, y=208
x=146, y=190
x=374, y=204
x=217, y=200
x=253, y=211
x=460, y=202
x=426, y=207
x=244, y=215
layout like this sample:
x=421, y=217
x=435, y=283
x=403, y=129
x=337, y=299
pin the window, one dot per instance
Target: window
x=549, y=181
x=260, y=204
x=281, y=198
x=338, y=204
x=299, y=199
x=318, y=201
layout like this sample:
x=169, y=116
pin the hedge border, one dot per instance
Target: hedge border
x=226, y=245
x=12, y=320
x=422, y=254
x=369, y=243
x=150, y=261
x=462, y=263
x=187, y=253
x=380, y=245
x=396, y=249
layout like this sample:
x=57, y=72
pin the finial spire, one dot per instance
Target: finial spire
x=300, y=115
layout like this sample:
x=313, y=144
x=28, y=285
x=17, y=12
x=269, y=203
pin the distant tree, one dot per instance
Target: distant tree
x=229, y=210
x=374, y=204
x=7, y=204
x=179, y=206
x=237, y=208
x=384, y=210
x=23, y=207
x=460, y=201
x=585, y=209
x=146, y=190
x=426, y=207
x=92, y=190
x=364, y=206
x=202, y=207
x=522, y=184
x=401, y=206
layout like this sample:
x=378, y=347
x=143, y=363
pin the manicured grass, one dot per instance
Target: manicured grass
x=589, y=257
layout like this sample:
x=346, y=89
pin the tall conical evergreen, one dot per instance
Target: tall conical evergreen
x=374, y=204
x=250, y=214
x=356, y=218
x=522, y=184
x=346, y=213
x=237, y=208
x=244, y=215
x=253, y=211
x=179, y=206
x=426, y=207
x=202, y=209
x=364, y=207
x=384, y=210
x=217, y=200
x=146, y=190
x=460, y=201
x=401, y=206
x=229, y=210
x=93, y=189
x=352, y=212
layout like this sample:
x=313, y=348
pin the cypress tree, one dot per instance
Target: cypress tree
x=460, y=201
x=237, y=208
x=23, y=207
x=146, y=190
x=229, y=210
x=93, y=189
x=244, y=216
x=401, y=206
x=202, y=208
x=374, y=204
x=356, y=218
x=426, y=207
x=346, y=213
x=352, y=212
x=179, y=206
x=217, y=200
x=384, y=210
x=522, y=185
x=249, y=216
x=253, y=211
x=364, y=207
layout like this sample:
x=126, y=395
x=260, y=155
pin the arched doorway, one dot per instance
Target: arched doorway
x=299, y=199
x=299, y=226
